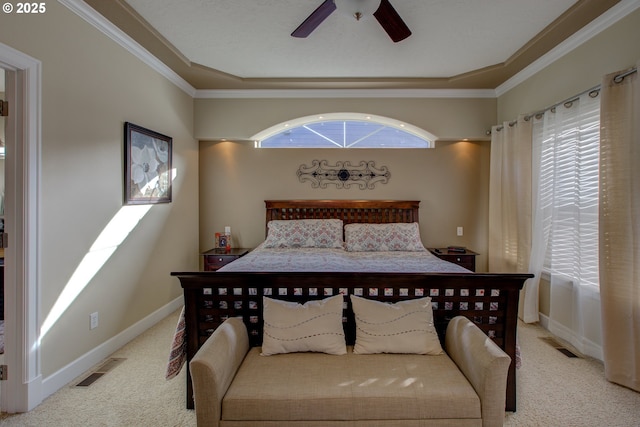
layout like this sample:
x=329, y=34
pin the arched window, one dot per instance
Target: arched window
x=344, y=130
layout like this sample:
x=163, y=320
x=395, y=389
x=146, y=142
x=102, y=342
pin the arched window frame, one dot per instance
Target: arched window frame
x=414, y=131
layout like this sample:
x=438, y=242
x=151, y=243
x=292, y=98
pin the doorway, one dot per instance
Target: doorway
x=2, y=139
x=21, y=391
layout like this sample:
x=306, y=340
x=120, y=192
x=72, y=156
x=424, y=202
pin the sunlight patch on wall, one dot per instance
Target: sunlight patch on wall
x=104, y=246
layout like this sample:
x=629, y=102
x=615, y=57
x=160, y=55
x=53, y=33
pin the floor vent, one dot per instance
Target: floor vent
x=90, y=379
x=561, y=348
x=97, y=373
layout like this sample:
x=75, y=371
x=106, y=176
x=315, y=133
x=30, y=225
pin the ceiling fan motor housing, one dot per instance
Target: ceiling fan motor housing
x=359, y=9
x=385, y=14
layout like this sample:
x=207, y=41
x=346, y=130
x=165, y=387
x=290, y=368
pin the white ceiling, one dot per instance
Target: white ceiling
x=251, y=38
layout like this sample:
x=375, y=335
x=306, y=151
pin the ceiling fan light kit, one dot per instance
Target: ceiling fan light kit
x=358, y=9
x=386, y=16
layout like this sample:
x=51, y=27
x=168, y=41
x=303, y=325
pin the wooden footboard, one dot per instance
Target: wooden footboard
x=489, y=300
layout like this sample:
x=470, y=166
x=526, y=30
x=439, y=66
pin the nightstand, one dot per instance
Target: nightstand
x=218, y=257
x=466, y=259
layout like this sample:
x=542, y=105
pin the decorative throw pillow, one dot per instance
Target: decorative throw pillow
x=304, y=233
x=403, y=327
x=290, y=327
x=383, y=237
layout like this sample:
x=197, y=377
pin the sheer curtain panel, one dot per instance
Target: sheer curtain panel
x=620, y=228
x=541, y=220
x=510, y=201
x=566, y=225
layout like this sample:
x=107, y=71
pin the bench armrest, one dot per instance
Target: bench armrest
x=484, y=364
x=213, y=368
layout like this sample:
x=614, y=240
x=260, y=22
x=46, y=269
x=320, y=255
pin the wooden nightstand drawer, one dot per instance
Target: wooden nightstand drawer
x=217, y=258
x=465, y=259
x=214, y=262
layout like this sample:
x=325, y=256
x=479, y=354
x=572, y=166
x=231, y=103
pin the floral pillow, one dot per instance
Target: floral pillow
x=383, y=237
x=304, y=233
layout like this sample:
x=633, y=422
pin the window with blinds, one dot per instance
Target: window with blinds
x=567, y=140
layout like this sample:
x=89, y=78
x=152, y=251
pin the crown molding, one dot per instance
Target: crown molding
x=345, y=93
x=96, y=20
x=595, y=27
x=598, y=25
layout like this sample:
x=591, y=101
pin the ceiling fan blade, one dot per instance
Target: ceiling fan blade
x=391, y=22
x=315, y=19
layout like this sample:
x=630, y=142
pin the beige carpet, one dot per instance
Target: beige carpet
x=134, y=393
x=553, y=390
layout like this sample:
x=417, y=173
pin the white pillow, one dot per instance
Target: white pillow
x=315, y=326
x=304, y=233
x=403, y=327
x=395, y=236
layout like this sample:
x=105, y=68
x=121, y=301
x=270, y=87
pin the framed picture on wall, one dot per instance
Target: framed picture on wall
x=147, y=166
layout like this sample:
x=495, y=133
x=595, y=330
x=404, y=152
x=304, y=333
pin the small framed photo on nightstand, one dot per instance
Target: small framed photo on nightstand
x=222, y=241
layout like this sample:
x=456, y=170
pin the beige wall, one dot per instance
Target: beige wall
x=451, y=181
x=450, y=119
x=614, y=49
x=90, y=87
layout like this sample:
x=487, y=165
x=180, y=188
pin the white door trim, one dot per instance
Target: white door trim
x=21, y=392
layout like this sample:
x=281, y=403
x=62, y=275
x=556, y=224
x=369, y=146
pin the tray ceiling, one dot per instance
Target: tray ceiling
x=246, y=44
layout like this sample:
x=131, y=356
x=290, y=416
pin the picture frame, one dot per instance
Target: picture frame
x=222, y=242
x=147, y=166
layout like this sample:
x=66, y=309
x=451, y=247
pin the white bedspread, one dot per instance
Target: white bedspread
x=339, y=260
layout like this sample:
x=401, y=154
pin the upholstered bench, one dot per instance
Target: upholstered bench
x=235, y=385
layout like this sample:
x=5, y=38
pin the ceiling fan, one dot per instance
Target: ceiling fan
x=386, y=15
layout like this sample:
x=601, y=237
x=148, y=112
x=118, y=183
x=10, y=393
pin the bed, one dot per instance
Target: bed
x=303, y=271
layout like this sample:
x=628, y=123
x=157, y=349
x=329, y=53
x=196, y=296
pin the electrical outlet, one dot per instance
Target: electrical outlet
x=94, y=320
x=460, y=231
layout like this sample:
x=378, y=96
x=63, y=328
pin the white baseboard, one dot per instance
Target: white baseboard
x=544, y=321
x=65, y=375
x=584, y=346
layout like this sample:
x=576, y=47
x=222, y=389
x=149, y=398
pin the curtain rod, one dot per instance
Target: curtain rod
x=596, y=89
x=620, y=77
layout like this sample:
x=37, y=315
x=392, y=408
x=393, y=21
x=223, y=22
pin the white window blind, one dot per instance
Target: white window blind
x=567, y=140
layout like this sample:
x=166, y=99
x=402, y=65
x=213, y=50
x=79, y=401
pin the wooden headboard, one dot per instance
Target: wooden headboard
x=349, y=211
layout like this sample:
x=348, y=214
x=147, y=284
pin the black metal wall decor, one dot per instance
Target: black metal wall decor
x=343, y=174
